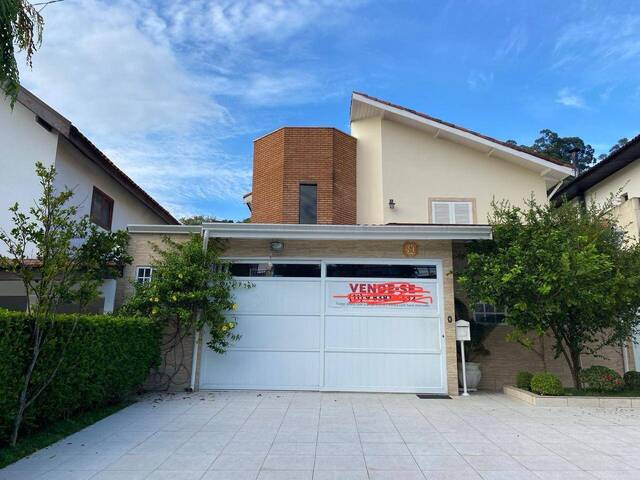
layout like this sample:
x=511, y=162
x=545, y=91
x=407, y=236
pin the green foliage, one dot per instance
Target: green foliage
x=106, y=358
x=601, y=379
x=200, y=219
x=20, y=29
x=549, y=143
x=59, y=259
x=192, y=286
x=546, y=384
x=569, y=270
x=632, y=379
x=523, y=380
x=73, y=255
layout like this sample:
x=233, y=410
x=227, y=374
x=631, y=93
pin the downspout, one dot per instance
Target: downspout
x=196, y=335
x=625, y=357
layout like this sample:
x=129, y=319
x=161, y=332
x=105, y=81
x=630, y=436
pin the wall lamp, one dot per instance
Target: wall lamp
x=392, y=204
x=277, y=246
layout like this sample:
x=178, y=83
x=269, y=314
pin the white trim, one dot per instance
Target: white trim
x=463, y=134
x=347, y=232
x=167, y=229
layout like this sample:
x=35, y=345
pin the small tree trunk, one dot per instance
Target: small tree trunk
x=22, y=399
x=576, y=368
x=543, y=353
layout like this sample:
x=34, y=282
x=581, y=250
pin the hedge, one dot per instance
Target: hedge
x=107, y=358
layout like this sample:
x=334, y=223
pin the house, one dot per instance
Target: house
x=618, y=175
x=34, y=132
x=353, y=247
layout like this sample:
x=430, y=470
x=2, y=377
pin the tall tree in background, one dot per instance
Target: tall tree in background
x=20, y=31
x=619, y=144
x=570, y=149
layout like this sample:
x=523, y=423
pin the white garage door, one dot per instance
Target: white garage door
x=335, y=325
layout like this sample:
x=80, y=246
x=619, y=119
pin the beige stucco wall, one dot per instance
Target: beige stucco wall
x=415, y=167
x=368, y=170
x=626, y=180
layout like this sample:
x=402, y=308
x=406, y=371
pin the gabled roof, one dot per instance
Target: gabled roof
x=65, y=128
x=365, y=106
x=614, y=162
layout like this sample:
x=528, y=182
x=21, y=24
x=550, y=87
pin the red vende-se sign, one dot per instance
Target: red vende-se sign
x=387, y=293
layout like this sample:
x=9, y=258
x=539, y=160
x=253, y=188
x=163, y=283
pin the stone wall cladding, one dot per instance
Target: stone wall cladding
x=177, y=362
x=293, y=155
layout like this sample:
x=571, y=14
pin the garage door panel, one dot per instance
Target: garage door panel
x=279, y=296
x=261, y=369
x=278, y=332
x=387, y=333
x=383, y=371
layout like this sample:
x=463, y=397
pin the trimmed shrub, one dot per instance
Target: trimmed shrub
x=632, y=379
x=107, y=358
x=546, y=384
x=601, y=379
x=523, y=380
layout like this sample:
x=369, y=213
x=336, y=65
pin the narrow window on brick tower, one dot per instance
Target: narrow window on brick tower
x=308, y=208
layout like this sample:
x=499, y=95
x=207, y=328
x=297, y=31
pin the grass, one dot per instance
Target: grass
x=573, y=392
x=57, y=431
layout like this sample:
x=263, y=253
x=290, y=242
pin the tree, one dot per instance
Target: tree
x=619, y=144
x=200, y=219
x=565, y=148
x=568, y=270
x=20, y=30
x=70, y=259
x=191, y=289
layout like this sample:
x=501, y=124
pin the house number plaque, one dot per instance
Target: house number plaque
x=410, y=249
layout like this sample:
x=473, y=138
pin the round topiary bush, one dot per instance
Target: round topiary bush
x=601, y=379
x=523, y=380
x=546, y=384
x=632, y=379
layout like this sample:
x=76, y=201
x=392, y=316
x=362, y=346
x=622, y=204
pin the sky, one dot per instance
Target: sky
x=175, y=91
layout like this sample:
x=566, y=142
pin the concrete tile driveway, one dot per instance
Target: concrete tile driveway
x=321, y=436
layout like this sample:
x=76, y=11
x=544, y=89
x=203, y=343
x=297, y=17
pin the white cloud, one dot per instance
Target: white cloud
x=149, y=82
x=479, y=80
x=568, y=99
x=515, y=42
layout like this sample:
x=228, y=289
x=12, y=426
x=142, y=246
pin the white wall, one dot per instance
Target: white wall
x=80, y=174
x=23, y=142
x=368, y=170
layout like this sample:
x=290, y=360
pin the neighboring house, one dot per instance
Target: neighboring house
x=352, y=248
x=618, y=175
x=34, y=132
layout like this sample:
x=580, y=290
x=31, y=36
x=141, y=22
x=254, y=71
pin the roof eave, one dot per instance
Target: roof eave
x=547, y=165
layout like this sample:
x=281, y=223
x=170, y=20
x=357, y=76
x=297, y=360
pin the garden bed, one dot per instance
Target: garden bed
x=576, y=398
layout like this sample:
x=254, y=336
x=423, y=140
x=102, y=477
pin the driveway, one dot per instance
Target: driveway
x=298, y=435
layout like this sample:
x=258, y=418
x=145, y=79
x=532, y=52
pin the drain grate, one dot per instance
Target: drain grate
x=429, y=396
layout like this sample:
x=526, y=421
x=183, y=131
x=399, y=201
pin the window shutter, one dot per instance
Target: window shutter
x=462, y=212
x=441, y=212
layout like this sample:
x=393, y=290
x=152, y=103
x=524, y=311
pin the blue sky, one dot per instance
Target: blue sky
x=175, y=91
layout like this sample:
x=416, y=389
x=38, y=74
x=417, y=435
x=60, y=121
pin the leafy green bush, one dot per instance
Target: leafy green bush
x=106, y=359
x=601, y=379
x=546, y=384
x=632, y=379
x=523, y=380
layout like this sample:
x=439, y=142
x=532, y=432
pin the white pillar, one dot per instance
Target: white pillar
x=108, y=291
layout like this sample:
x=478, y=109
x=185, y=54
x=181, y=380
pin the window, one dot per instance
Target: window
x=101, y=209
x=456, y=212
x=301, y=270
x=486, y=313
x=143, y=274
x=308, y=208
x=348, y=270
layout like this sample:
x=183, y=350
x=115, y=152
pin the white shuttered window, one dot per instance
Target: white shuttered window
x=459, y=212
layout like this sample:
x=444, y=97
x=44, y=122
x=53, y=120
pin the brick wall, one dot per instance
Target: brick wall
x=293, y=155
